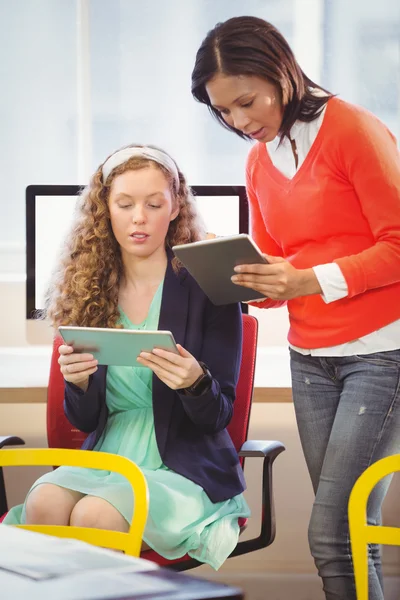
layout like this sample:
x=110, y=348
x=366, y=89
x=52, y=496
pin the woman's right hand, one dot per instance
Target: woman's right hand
x=76, y=368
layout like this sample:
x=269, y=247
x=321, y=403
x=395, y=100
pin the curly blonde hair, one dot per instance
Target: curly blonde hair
x=85, y=285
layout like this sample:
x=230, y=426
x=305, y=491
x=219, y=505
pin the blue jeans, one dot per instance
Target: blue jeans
x=348, y=415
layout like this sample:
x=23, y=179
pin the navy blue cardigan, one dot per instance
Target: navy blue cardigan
x=190, y=432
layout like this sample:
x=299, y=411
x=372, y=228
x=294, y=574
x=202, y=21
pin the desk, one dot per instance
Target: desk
x=38, y=395
x=35, y=566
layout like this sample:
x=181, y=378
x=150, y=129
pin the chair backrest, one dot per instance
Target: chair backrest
x=239, y=425
x=130, y=542
x=362, y=534
x=61, y=434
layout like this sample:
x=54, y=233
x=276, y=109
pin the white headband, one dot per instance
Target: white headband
x=120, y=157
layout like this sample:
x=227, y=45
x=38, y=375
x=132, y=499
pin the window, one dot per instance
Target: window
x=38, y=112
x=81, y=78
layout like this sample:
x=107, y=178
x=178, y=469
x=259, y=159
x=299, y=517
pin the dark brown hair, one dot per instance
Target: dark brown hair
x=252, y=46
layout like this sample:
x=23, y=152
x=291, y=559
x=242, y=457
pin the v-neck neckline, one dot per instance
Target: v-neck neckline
x=277, y=175
x=142, y=325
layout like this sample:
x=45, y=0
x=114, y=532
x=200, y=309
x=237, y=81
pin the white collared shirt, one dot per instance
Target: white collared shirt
x=330, y=277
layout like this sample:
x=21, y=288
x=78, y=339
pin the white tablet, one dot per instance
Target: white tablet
x=118, y=347
x=211, y=263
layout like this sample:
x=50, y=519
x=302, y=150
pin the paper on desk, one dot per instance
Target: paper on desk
x=40, y=557
x=35, y=565
x=104, y=586
x=91, y=585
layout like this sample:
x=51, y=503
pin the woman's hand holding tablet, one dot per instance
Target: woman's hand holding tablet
x=212, y=262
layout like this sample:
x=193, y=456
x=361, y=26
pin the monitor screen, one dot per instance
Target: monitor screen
x=49, y=213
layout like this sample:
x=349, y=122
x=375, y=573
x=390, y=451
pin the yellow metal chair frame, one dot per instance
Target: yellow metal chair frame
x=362, y=534
x=130, y=542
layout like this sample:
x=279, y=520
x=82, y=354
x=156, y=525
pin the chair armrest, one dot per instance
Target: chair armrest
x=11, y=440
x=268, y=450
x=6, y=440
x=253, y=448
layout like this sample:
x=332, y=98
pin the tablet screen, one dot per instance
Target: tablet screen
x=116, y=347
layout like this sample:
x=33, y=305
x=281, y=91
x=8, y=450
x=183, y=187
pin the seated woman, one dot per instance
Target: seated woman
x=117, y=270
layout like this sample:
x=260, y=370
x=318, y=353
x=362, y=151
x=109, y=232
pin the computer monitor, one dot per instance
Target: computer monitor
x=49, y=212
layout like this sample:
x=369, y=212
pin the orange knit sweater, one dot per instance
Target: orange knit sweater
x=343, y=206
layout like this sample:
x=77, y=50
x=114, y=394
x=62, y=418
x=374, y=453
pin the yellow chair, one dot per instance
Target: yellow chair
x=362, y=534
x=130, y=542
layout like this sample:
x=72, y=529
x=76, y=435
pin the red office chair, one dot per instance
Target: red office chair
x=61, y=434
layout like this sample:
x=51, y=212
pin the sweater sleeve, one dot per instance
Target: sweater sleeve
x=261, y=237
x=371, y=162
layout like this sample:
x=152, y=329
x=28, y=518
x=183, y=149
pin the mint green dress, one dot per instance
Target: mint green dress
x=182, y=519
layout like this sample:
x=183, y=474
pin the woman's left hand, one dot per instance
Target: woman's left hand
x=278, y=280
x=177, y=371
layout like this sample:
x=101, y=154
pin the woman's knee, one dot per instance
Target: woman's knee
x=318, y=537
x=97, y=513
x=49, y=504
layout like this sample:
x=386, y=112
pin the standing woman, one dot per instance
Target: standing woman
x=323, y=182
